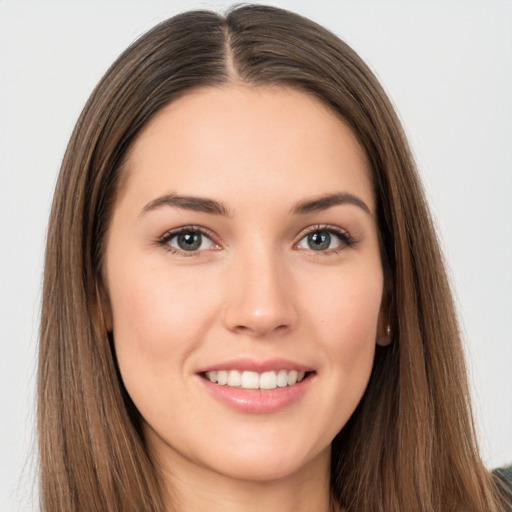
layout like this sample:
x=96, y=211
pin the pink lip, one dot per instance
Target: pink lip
x=257, y=401
x=253, y=365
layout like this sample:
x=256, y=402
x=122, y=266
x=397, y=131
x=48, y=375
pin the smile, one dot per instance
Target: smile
x=255, y=380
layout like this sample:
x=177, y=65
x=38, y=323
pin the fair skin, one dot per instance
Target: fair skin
x=265, y=280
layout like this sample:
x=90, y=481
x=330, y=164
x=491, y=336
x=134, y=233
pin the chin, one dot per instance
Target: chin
x=265, y=468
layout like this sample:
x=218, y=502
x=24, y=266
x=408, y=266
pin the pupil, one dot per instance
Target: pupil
x=189, y=241
x=319, y=241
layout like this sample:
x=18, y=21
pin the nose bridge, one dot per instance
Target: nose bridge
x=260, y=300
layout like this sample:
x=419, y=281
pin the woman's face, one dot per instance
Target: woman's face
x=243, y=248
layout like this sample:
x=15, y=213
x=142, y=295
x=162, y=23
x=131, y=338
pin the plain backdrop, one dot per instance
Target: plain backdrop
x=447, y=66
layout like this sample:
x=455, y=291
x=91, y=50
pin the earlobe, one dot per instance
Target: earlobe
x=384, y=336
x=384, y=331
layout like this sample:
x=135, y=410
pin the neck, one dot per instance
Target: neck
x=195, y=489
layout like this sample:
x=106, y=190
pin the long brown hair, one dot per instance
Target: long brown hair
x=410, y=444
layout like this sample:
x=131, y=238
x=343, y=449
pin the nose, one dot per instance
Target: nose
x=260, y=297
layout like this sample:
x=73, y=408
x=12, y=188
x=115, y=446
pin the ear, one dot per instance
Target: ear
x=383, y=330
x=384, y=333
x=101, y=311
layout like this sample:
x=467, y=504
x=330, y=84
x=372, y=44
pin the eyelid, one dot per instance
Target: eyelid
x=164, y=239
x=347, y=240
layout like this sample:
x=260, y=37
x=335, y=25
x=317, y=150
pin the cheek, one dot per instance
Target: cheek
x=346, y=318
x=158, y=318
x=157, y=322
x=149, y=304
x=348, y=304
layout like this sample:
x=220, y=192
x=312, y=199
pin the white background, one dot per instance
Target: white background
x=447, y=66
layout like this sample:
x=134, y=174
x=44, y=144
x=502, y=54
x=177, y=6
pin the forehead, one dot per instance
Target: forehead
x=253, y=138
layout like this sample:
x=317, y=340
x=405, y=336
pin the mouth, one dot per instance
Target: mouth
x=251, y=380
x=257, y=387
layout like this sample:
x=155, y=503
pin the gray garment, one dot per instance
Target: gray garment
x=504, y=479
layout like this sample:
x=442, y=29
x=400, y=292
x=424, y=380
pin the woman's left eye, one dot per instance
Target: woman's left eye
x=321, y=240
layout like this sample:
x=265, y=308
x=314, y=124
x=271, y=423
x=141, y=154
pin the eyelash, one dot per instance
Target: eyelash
x=164, y=240
x=346, y=240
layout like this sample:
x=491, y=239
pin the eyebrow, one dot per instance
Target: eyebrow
x=328, y=201
x=204, y=205
x=196, y=204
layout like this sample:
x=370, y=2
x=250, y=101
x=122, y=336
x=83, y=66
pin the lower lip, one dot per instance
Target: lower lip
x=257, y=401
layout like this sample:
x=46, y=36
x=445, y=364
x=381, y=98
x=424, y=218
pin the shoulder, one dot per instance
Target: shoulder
x=504, y=479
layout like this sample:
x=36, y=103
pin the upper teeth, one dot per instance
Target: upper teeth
x=254, y=380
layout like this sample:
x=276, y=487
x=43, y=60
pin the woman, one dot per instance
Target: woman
x=244, y=302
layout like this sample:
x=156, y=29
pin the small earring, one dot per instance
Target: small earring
x=385, y=339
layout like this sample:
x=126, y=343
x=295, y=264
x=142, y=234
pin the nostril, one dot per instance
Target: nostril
x=261, y=329
x=253, y=312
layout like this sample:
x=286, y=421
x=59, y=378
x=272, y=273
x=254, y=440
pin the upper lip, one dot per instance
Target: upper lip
x=247, y=364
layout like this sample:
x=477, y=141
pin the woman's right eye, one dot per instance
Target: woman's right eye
x=188, y=240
